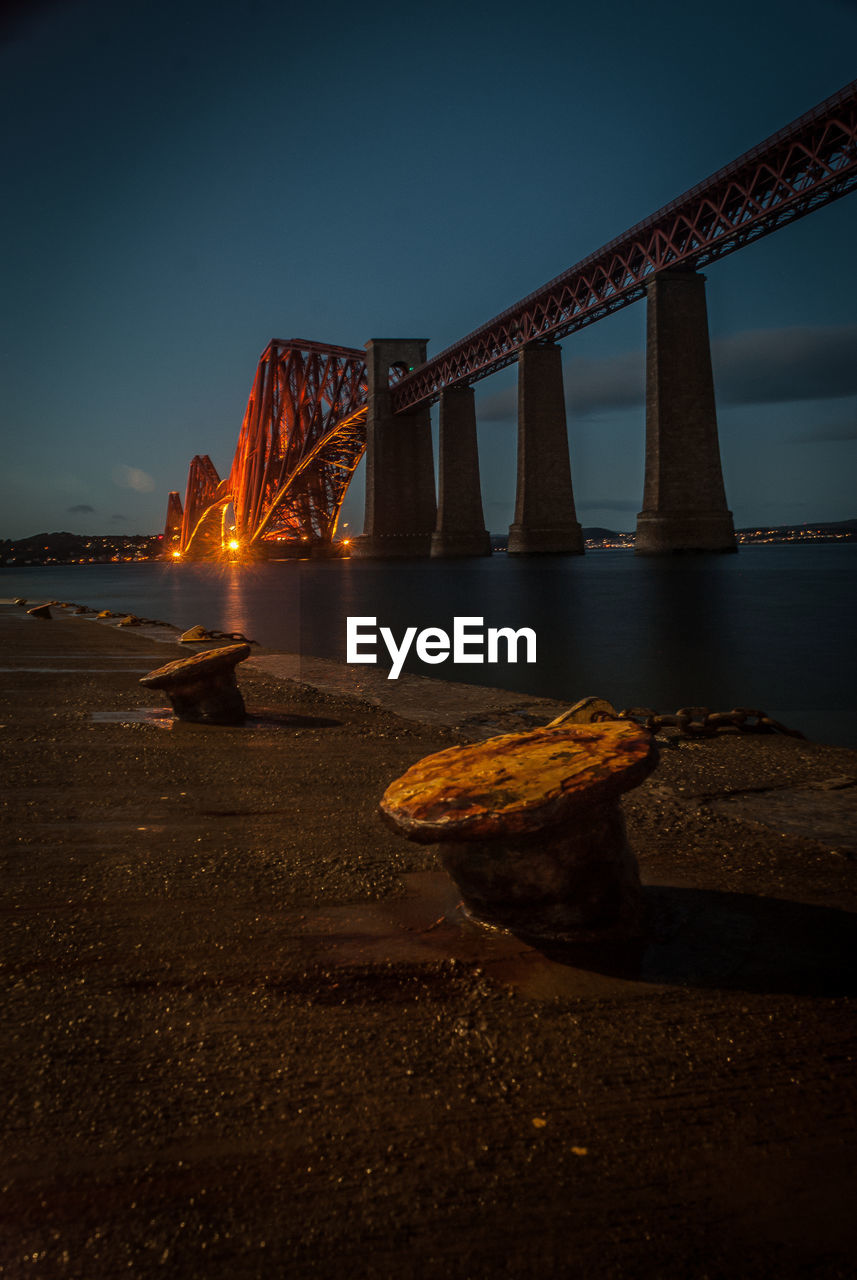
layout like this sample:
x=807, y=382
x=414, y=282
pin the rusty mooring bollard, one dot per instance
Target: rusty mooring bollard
x=203, y=688
x=530, y=827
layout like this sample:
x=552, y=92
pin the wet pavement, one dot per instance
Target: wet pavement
x=249, y=1032
x=471, y=709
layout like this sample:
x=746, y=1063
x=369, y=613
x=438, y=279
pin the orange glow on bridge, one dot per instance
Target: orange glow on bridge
x=303, y=434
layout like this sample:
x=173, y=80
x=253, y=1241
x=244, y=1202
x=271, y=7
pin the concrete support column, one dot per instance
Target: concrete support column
x=684, y=503
x=400, y=497
x=460, y=529
x=545, y=519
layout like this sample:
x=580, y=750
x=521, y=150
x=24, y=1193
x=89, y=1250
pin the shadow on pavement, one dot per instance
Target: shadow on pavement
x=734, y=941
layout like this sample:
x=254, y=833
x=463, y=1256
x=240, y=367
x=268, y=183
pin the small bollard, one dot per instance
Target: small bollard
x=530, y=827
x=203, y=688
x=40, y=611
x=195, y=634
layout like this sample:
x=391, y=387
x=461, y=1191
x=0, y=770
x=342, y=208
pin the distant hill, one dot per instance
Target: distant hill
x=76, y=548
x=823, y=531
x=830, y=526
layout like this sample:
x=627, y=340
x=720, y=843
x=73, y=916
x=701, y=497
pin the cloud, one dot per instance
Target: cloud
x=117, y=516
x=772, y=366
x=619, y=382
x=757, y=366
x=499, y=407
x=133, y=478
x=82, y=508
x=827, y=433
x=591, y=386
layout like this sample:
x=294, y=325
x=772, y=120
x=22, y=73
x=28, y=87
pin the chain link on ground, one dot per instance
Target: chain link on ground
x=688, y=722
x=236, y=636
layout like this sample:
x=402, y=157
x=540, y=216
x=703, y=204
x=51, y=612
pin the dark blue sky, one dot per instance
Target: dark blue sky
x=185, y=182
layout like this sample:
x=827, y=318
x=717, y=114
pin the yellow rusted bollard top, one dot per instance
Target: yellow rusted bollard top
x=517, y=783
x=209, y=663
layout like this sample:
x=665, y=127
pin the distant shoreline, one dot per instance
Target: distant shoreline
x=64, y=548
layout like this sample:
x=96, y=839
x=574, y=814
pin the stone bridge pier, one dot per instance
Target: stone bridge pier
x=684, y=500
x=545, y=519
x=401, y=509
x=460, y=527
x=402, y=518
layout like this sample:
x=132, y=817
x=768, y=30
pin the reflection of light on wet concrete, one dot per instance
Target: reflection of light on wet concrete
x=133, y=659
x=165, y=718
x=160, y=716
x=77, y=671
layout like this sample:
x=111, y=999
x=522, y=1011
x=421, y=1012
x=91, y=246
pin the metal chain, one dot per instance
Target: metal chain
x=237, y=636
x=132, y=620
x=690, y=722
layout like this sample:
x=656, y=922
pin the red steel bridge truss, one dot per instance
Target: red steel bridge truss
x=810, y=163
x=304, y=430
x=303, y=433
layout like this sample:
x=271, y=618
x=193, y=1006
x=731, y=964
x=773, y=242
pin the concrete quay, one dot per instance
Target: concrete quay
x=247, y=1032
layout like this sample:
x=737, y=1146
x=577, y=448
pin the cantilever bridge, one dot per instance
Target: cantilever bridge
x=303, y=433
x=314, y=408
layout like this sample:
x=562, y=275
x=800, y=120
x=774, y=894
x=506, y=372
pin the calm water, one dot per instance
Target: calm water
x=772, y=627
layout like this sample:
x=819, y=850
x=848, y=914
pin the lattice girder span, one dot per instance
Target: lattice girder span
x=809, y=163
x=300, y=440
x=173, y=524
